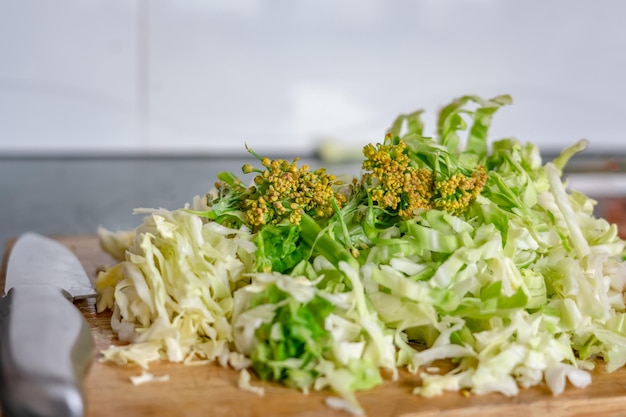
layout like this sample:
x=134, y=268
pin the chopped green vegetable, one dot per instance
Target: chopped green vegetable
x=278, y=248
x=290, y=345
x=445, y=248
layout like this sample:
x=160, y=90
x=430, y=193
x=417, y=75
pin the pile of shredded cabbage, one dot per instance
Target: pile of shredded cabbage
x=525, y=289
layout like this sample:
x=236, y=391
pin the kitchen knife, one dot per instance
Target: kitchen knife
x=45, y=342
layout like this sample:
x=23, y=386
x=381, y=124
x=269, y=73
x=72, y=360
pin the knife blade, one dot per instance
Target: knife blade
x=45, y=342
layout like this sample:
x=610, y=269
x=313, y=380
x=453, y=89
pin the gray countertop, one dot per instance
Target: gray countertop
x=75, y=195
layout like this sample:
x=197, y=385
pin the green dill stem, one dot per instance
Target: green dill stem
x=344, y=228
x=369, y=221
x=251, y=152
x=229, y=178
x=312, y=234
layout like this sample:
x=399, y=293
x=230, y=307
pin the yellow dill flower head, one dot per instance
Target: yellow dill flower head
x=397, y=185
x=393, y=183
x=285, y=191
x=457, y=192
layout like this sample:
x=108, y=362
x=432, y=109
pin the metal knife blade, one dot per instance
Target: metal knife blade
x=39, y=260
x=45, y=342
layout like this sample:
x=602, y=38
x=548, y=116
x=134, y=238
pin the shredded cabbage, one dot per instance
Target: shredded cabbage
x=517, y=286
x=173, y=296
x=146, y=377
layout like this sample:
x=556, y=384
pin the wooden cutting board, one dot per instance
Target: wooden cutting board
x=211, y=390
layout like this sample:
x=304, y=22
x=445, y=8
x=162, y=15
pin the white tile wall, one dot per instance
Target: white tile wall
x=67, y=75
x=200, y=75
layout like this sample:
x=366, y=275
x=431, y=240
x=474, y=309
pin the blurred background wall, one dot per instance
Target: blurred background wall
x=202, y=76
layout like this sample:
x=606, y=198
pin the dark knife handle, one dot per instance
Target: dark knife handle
x=45, y=350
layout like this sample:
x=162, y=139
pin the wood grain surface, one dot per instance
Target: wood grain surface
x=210, y=390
